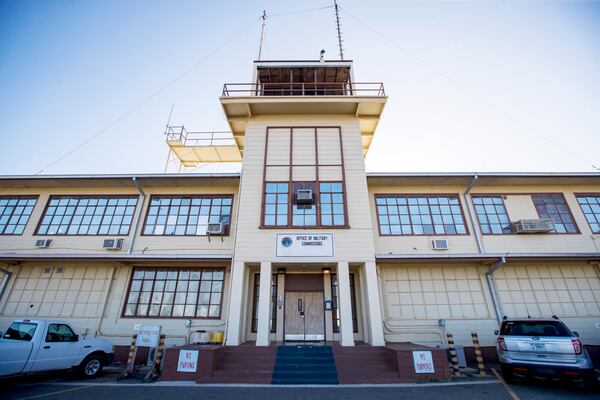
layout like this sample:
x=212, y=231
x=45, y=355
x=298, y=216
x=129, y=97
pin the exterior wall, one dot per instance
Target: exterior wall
x=91, y=296
x=519, y=205
x=73, y=244
x=416, y=296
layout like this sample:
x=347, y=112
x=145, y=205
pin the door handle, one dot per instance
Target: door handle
x=46, y=347
x=300, y=305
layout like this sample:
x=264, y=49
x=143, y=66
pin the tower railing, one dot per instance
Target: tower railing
x=304, y=89
x=178, y=134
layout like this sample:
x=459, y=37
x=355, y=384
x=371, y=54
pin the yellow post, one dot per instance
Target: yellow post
x=453, y=355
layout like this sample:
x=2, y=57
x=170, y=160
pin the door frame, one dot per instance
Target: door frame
x=286, y=289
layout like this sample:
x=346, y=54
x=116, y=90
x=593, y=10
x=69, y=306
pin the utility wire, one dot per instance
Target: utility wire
x=503, y=113
x=149, y=98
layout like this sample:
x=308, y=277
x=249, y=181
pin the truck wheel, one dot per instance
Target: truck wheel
x=91, y=366
x=507, y=374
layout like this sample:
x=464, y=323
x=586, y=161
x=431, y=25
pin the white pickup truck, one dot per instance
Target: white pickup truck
x=45, y=345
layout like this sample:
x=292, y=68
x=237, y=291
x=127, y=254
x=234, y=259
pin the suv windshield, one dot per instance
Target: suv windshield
x=534, y=328
x=20, y=331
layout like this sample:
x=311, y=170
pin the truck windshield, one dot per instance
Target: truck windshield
x=534, y=328
x=20, y=331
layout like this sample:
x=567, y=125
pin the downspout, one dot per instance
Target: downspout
x=489, y=276
x=470, y=212
x=5, y=280
x=138, y=215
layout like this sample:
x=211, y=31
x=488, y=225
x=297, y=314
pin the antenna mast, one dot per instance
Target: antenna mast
x=339, y=31
x=262, y=33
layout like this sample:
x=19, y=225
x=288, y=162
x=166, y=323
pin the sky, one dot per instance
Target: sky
x=473, y=86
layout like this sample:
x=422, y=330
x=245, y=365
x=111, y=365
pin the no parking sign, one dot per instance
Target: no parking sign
x=188, y=361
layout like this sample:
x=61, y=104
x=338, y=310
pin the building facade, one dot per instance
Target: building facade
x=303, y=244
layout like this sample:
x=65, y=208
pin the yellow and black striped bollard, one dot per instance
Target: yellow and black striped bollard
x=158, y=357
x=478, y=355
x=130, y=358
x=453, y=355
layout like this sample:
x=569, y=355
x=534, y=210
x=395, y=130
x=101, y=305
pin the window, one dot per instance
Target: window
x=534, y=328
x=20, y=331
x=420, y=215
x=554, y=207
x=14, y=214
x=60, y=333
x=186, y=215
x=590, y=205
x=492, y=215
x=335, y=309
x=276, y=204
x=273, y=320
x=88, y=215
x=332, y=204
x=166, y=293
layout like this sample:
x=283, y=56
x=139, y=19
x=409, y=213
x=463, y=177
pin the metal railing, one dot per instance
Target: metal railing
x=178, y=133
x=304, y=89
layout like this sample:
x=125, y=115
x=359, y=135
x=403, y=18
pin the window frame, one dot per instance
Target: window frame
x=75, y=336
x=426, y=195
x=273, y=297
x=89, y=196
x=502, y=197
x=157, y=268
x=335, y=299
x=577, y=231
x=20, y=197
x=172, y=196
x=577, y=195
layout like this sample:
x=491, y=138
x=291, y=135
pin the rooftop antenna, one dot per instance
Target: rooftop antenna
x=262, y=33
x=339, y=31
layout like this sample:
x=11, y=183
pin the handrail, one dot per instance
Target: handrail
x=178, y=133
x=304, y=89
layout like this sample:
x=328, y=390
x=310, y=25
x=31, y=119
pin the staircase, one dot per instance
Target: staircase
x=304, y=365
x=243, y=364
x=365, y=364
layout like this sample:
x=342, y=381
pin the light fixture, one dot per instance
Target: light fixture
x=327, y=270
x=281, y=271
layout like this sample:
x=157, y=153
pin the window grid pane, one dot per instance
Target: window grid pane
x=332, y=204
x=492, y=215
x=186, y=215
x=14, y=213
x=276, y=204
x=554, y=207
x=273, y=319
x=168, y=293
x=88, y=215
x=590, y=205
x=335, y=312
x=420, y=215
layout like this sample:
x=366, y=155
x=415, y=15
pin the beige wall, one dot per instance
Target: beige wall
x=415, y=296
x=519, y=205
x=64, y=244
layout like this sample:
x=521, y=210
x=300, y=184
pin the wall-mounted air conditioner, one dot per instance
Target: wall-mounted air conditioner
x=112, y=244
x=532, y=226
x=439, y=244
x=216, y=229
x=43, y=243
x=304, y=196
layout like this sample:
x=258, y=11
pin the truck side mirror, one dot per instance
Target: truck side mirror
x=495, y=331
x=75, y=338
x=576, y=333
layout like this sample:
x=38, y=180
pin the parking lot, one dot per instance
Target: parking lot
x=61, y=386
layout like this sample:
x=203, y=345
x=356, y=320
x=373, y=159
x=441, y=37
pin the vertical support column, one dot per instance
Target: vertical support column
x=264, y=303
x=234, y=316
x=373, y=305
x=280, y=296
x=344, y=304
x=328, y=313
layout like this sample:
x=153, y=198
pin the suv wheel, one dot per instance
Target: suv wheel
x=91, y=366
x=507, y=374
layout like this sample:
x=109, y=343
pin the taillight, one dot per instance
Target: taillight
x=577, y=346
x=501, y=343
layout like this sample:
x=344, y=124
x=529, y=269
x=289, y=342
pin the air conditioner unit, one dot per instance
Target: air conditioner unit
x=439, y=244
x=112, y=244
x=532, y=226
x=216, y=229
x=304, y=196
x=43, y=243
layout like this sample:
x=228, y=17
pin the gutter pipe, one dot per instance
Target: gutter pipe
x=489, y=276
x=138, y=215
x=470, y=212
x=5, y=280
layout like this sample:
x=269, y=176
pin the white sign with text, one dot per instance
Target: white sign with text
x=305, y=245
x=188, y=361
x=423, y=362
x=148, y=336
